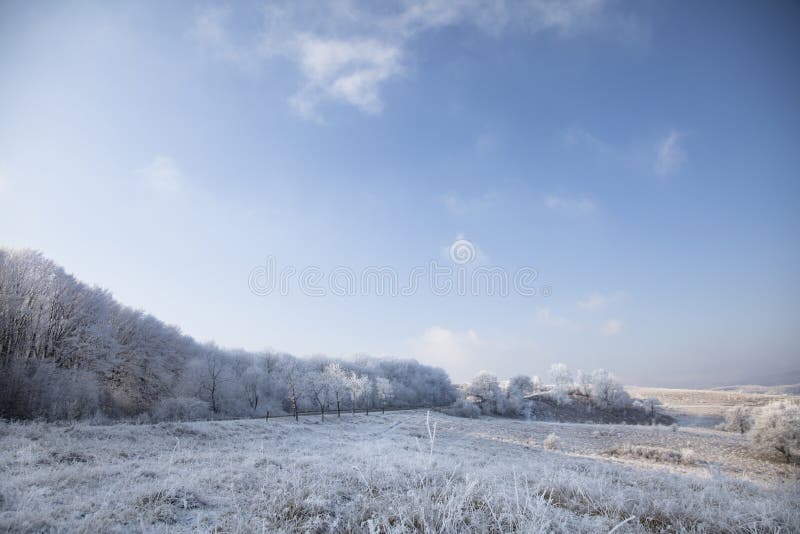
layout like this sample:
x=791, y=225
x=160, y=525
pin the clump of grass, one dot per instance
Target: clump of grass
x=657, y=454
x=68, y=457
x=552, y=442
x=164, y=505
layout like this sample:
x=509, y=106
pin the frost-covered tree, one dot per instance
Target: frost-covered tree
x=337, y=380
x=776, y=429
x=318, y=387
x=563, y=383
x=358, y=387
x=68, y=349
x=384, y=390
x=486, y=388
x=606, y=391
x=537, y=383
x=738, y=419
x=213, y=372
x=583, y=383
x=561, y=376
x=517, y=389
x=520, y=385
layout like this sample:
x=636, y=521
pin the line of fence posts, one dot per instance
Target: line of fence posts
x=296, y=413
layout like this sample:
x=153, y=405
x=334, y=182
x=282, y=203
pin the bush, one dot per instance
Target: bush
x=463, y=408
x=606, y=392
x=181, y=409
x=776, y=429
x=738, y=419
x=551, y=442
x=34, y=388
x=658, y=454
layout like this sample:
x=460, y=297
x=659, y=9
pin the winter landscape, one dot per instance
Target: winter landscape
x=402, y=266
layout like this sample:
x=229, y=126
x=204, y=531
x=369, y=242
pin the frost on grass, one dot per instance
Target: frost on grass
x=398, y=473
x=658, y=454
x=551, y=441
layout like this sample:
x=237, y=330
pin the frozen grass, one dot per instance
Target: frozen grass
x=396, y=473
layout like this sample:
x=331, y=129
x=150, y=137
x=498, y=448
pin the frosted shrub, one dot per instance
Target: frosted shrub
x=463, y=408
x=560, y=396
x=551, y=442
x=181, y=409
x=486, y=388
x=606, y=391
x=657, y=454
x=738, y=419
x=776, y=429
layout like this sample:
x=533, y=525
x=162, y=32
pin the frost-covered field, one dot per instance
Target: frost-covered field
x=705, y=407
x=384, y=473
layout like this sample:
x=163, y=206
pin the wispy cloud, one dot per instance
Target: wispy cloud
x=462, y=205
x=573, y=205
x=608, y=327
x=576, y=136
x=446, y=347
x=162, y=175
x=670, y=155
x=547, y=317
x=598, y=301
x=346, y=51
x=611, y=327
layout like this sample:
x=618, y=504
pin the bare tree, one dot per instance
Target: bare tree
x=384, y=389
x=213, y=377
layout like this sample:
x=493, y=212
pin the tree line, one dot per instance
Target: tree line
x=69, y=350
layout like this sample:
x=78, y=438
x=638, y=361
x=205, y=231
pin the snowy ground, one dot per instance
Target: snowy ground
x=381, y=473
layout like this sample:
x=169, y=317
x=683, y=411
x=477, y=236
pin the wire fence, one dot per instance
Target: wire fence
x=332, y=413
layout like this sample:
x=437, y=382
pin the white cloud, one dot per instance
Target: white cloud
x=162, y=175
x=347, y=70
x=547, y=317
x=670, y=155
x=346, y=51
x=612, y=327
x=573, y=205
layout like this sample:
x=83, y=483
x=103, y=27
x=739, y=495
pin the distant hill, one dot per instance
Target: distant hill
x=788, y=389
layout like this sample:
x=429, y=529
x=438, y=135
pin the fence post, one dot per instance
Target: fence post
x=267, y=417
x=383, y=408
x=338, y=409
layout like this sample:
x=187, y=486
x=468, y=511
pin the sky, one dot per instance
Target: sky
x=638, y=160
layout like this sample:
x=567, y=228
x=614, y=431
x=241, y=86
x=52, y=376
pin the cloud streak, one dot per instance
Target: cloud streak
x=670, y=155
x=573, y=205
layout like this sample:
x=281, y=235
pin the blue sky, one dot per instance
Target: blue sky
x=642, y=157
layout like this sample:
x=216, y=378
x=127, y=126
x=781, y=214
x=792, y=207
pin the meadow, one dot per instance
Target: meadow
x=399, y=472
